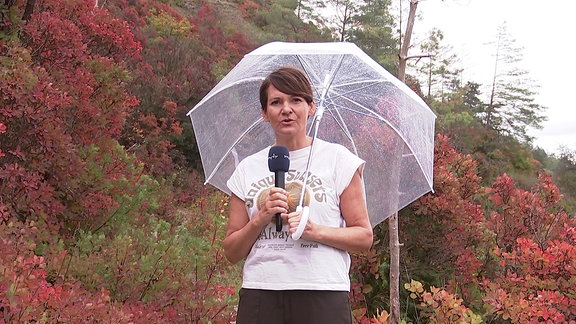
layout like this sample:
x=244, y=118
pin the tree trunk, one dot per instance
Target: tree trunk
x=28, y=10
x=490, y=109
x=403, y=56
x=394, y=242
x=394, y=238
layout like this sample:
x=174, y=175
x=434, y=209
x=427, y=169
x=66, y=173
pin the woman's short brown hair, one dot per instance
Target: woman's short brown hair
x=288, y=80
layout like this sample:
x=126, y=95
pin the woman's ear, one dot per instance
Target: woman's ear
x=312, y=109
x=264, y=115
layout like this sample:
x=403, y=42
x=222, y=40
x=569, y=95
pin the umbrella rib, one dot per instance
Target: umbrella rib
x=224, y=88
x=367, y=85
x=306, y=67
x=241, y=137
x=365, y=112
x=345, y=94
x=372, y=115
x=340, y=121
x=360, y=112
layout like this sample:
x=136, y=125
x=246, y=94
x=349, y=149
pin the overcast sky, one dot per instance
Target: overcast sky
x=544, y=29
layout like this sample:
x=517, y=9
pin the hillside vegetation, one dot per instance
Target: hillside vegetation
x=104, y=216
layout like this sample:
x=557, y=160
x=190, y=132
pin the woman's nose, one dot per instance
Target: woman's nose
x=286, y=108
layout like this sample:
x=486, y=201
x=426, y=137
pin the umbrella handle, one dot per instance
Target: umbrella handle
x=303, y=220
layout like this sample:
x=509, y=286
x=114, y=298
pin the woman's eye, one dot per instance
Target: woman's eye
x=297, y=99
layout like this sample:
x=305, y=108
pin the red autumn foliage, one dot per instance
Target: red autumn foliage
x=536, y=246
x=452, y=217
x=63, y=90
x=65, y=102
x=533, y=214
x=538, y=283
x=520, y=256
x=29, y=292
x=88, y=234
x=82, y=48
x=248, y=8
x=183, y=59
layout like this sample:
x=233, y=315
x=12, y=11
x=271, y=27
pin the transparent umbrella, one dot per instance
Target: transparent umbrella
x=360, y=105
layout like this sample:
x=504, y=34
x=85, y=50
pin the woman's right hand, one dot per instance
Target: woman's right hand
x=277, y=202
x=242, y=231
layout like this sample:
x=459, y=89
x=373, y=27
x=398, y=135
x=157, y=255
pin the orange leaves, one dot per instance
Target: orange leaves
x=453, y=216
x=23, y=285
x=439, y=306
x=249, y=8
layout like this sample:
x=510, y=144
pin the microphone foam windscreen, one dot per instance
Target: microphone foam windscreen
x=278, y=159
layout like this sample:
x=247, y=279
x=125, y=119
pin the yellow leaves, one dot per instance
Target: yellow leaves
x=414, y=286
x=167, y=25
x=439, y=305
x=367, y=288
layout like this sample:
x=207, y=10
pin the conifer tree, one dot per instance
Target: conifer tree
x=511, y=108
x=437, y=68
x=374, y=32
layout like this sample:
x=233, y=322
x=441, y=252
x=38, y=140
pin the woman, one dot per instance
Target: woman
x=304, y=281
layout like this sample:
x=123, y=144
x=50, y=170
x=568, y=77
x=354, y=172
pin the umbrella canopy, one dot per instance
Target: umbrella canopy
x=364, y=108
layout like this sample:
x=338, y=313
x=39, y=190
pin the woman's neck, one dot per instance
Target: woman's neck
x=294, y=144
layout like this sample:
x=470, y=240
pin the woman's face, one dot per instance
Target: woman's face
x=286, y=113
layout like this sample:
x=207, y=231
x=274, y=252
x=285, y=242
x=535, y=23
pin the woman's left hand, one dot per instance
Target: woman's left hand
x=356, y=236
x=294, y=221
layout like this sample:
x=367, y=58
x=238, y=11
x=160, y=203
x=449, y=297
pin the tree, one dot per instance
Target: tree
x=564, y=174
x=82, y=238
x=307, y=10
x=344, y=17
x=438, y=68
x=289, y=20
x=393, y=220
x=511, y=108
x=458, y=116
x=374, y=32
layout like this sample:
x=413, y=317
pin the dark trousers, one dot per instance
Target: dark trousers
x=293, y=307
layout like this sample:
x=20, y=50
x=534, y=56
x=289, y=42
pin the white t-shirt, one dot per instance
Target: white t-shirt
x=276, y=262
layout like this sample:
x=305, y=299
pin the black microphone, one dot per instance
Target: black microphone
x=279, y=163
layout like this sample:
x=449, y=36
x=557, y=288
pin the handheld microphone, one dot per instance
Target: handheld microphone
x=279, y=163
